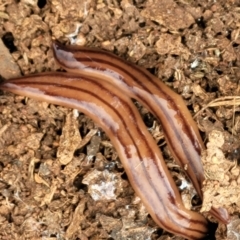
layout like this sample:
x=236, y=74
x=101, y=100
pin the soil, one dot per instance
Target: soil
x=60, y=177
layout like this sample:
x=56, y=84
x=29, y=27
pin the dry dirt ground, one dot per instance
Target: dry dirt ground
x=60, y=178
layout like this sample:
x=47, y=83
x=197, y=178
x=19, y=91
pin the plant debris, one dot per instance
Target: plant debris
x=222, y=185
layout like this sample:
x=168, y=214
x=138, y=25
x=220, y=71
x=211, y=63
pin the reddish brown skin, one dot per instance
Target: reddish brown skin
x=181, y=132
x=139, y=153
